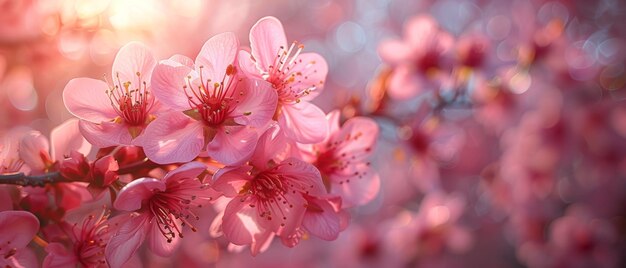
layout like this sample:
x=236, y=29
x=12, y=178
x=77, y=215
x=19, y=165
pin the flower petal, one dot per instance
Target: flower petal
x=304, y=173
x=310, y=70
x=231, y=180
x=356, y=190
x=67, y=138
x=172, y=138
x=126, y=240
x=168, y=80
x=105, y=134
x=267, y=37
x=17, y=228
x=189, y=170
x=304, y=122
x=87, y=99
x=216, y=55
x=248, y=66
x=232, y=145
x=240, y=222
x=58, y=256
x=158, y=243
x=131, y=197
x=33, y=147
x=258, y=104
x=323, y=221
x=133, y=63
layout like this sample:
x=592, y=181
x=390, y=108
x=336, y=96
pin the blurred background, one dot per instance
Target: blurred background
x=512, y=155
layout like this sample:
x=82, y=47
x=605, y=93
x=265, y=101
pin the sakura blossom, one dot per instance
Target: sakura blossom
x=291, y=133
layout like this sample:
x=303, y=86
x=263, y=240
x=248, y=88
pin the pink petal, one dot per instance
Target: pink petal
x=67, y=138
x=230, y=180
x=303, y=172
x=17, y=228
x=333, y=122
x=421, y=31
x=105, y=134
x=59, y=256
x=359, y=135
x=258, y=104
x=87, y=99
x=248, y=66
x=395, y=52
x=324, y=224
x=23, y=258
x=286, y=216
x=261, y=242
x=33, y=146
x=240, y=222
x=126, y=240
x=272, y=145
x=359, y=190
x=130, y=198
x=304, y=122
x=168, y=80
x=158, y=243
x=189, y=170
x=132, y=59
x=310, y=71
x=182, y=59
x=267, y=37
x=233, y=147
x=405, y=83
x=216, y=54
x=172, y=138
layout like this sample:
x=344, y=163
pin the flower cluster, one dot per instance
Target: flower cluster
x=177, y=139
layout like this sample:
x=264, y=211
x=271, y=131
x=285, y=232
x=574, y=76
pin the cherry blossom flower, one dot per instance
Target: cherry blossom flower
x=157, y=210
x=10, y=160
x=118, y=113
x=342, y=159
x=268, y=196
x=297, y=78
x=88, y=237
x=215, y=108
x=17, y=229
x=418, y=59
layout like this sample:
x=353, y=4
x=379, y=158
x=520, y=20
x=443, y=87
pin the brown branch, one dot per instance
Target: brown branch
x=32, y=180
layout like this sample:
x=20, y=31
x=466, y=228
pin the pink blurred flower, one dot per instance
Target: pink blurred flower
x=216, y=108
x=115, y=114
x=154, y=208
x=268, y=196
x=17, y=229
x=343, y=159
x=297, y=78
x=419, y=59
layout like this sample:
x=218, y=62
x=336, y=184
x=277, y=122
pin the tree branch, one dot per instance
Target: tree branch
x=31, y=180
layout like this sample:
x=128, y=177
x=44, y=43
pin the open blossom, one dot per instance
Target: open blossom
x=117, y=113
x=88, y=239
x=268, y=195
x=215, y=108
x=297, y=78
x=157, y=210
x=342, y=159
x=418, y=59
x=17, y=229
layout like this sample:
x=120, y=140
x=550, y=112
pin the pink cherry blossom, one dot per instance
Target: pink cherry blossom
x=215, y=109
x=88, y=239
x=117, y=113
x=297, y=78
x=268, y=196
x=17, y=229
x=342, y=159
x=418, y=58
x=156, y=211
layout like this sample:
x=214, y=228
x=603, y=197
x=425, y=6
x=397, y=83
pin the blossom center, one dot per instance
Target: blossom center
x=212, y=102
x=283, y=78
x=131, y=101
x=171, y=206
